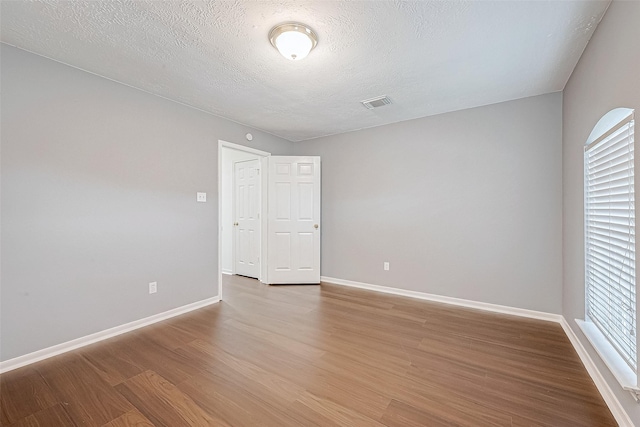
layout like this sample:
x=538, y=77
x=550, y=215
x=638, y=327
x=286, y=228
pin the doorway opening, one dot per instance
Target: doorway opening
x=240, y=186
x=269, y=216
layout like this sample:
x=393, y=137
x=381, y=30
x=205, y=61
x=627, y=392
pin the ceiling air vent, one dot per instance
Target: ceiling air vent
x=376, y=102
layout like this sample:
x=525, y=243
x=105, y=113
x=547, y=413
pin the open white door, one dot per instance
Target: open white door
x=247, y=218
x=293, y=237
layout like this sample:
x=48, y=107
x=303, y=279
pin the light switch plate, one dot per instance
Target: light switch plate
x=201, y=197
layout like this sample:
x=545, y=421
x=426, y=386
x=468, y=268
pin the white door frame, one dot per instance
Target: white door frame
x=260, y=153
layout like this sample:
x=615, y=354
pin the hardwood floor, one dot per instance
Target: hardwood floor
x=314, y=356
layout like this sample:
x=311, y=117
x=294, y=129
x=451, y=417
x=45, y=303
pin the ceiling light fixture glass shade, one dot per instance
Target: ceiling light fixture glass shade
x=293, y=40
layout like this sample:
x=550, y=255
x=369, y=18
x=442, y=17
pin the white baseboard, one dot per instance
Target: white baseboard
x=541, y=315
x=603, y=387
x=36, y=356
x=227, y=272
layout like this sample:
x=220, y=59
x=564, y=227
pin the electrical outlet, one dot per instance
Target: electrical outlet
x=153, y=287
x=201, y=197
x=386, y=266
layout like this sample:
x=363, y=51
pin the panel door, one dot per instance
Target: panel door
x=293, y=246
x=247, y=218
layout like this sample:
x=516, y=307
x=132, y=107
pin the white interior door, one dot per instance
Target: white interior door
x=247, y=218
x=293, y=237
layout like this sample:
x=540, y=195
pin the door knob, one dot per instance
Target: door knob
x=315, y=226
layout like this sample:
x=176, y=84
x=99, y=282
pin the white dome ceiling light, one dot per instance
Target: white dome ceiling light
x=293, y=40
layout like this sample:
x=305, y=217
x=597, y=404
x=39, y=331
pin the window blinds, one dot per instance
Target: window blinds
x=610, y=238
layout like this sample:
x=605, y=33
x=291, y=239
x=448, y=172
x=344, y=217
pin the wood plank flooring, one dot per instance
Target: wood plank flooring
x=314, y=356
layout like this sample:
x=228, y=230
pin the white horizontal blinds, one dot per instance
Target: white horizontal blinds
x=610, y=238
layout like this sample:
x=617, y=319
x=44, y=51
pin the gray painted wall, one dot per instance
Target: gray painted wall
x=465, y=204
x=98, y=199
x=606, y=77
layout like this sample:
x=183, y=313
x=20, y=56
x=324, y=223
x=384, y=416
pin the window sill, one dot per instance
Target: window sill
x=616, y=364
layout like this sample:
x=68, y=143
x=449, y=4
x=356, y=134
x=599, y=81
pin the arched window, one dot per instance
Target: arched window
x=610, y=249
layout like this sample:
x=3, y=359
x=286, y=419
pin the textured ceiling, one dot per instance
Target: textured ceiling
x=429, y=57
